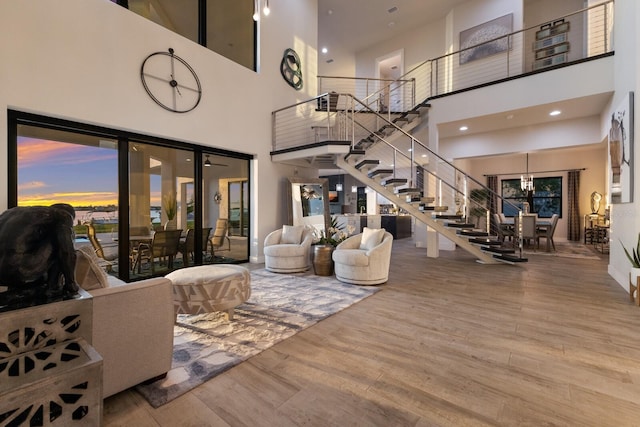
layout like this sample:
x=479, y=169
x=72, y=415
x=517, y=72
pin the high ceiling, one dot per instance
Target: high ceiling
x=356, y=24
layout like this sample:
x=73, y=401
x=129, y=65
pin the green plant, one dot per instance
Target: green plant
x=335, y=234
x=634, y=255
x=170, y=205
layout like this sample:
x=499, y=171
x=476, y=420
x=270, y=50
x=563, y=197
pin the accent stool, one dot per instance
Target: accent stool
x=208, y=288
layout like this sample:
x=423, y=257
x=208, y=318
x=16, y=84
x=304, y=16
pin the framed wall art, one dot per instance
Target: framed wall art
x=621, y=151
x=485, y=39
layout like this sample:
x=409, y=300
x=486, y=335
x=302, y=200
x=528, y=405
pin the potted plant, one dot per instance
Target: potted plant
x=170, y=205
x=634, y=259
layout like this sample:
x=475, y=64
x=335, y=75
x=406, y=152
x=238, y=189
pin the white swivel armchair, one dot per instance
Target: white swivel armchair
x=287, y=250
x=364, y=259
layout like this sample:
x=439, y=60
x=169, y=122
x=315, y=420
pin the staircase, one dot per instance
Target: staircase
x=379, y=151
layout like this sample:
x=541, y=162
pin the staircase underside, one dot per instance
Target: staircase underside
x=321, y=154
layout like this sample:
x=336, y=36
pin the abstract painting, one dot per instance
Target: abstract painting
x=478, y=42
x=621, y=151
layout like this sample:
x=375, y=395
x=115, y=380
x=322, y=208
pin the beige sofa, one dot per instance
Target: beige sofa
x=132, y=325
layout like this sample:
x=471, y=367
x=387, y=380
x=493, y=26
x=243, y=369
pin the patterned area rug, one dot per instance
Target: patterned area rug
x=280, y=306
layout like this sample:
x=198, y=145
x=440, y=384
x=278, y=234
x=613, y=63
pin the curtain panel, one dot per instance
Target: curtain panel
x=573, y=226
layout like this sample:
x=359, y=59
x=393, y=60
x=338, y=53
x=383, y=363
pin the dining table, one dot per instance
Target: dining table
x=541, y=224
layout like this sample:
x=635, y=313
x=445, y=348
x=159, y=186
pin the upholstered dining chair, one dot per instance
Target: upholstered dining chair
x=505, y=230
x=528, y=229
x=287, y=249
x=547, y=232
x=364, y=259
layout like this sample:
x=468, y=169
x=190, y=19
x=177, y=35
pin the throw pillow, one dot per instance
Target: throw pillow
x=371, y=237
x=292, y=234
x=89, y=274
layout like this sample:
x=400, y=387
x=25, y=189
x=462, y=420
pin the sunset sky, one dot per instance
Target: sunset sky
x=56, y=172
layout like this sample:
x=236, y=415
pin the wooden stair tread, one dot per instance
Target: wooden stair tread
x=409, y=190
x=380, y=172
x=367, y=163
x=473, y=233
x=460, y=225
x=394, y=181
x=487, y=242
x=510, y=258
x=499, y=250
x=449, y=216
x=355, y=153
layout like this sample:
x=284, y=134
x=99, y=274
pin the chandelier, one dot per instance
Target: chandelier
x=526, y=181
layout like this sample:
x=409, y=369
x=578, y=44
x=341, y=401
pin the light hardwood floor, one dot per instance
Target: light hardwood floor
x=447, y=342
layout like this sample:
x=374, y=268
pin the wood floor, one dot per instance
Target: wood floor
x=447, y=342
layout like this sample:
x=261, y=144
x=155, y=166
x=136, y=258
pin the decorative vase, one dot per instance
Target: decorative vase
x=633, y=285
x=322, y=262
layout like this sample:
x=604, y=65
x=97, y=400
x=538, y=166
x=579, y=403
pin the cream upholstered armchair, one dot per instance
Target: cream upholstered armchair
x=364, y=259
x=287, y=250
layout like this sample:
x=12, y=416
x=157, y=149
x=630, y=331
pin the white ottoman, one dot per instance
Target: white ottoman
x=208, y=288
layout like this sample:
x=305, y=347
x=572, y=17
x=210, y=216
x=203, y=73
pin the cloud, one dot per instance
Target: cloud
x=31, y=185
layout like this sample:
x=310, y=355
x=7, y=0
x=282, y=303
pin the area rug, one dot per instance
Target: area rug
x=566, y=250
x=280, y=306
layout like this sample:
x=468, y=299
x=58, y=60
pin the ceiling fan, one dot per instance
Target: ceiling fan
x=208, y=163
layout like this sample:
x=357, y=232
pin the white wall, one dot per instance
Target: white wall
x=625, y=218
x=80, y=60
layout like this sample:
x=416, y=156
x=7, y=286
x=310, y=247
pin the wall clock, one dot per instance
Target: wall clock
x=171, y=82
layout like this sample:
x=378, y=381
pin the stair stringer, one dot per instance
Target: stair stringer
x=422, y=216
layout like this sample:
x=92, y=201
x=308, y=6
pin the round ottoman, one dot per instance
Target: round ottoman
x=208, y=288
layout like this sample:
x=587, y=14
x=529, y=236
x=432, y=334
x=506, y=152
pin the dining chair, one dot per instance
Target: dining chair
x=504, y=230
x=163, y=245
x=108, y=253
x=528, y=228
x=547, y=232
x=219, y=237
x=187, y=246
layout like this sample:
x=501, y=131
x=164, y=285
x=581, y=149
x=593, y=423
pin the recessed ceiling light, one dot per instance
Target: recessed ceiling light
x=410, y=150
x=325, y=50
x=330, y=12
x=424, y=155
x=555, y=113
x=463, y=128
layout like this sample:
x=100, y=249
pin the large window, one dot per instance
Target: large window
x=224, y=26
x=128, y=189
x=545, y=201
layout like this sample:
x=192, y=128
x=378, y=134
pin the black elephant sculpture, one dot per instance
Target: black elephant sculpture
x=37, y=256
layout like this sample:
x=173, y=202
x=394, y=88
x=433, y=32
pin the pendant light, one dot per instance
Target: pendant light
x=526, y=181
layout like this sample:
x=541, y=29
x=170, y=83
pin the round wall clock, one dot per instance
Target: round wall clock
x=171, y=82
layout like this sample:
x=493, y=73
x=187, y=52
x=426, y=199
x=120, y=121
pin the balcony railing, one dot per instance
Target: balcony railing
x=565, y=40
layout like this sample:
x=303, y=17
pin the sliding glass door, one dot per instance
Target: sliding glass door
x=130, y=192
